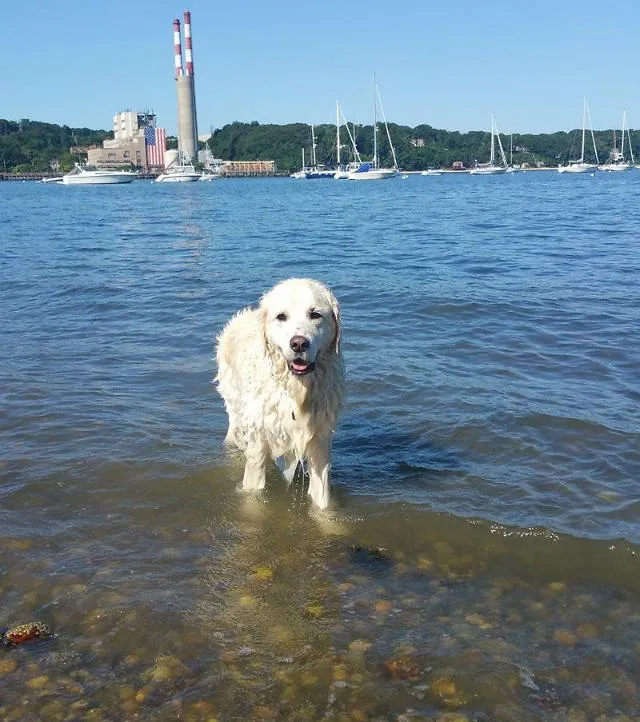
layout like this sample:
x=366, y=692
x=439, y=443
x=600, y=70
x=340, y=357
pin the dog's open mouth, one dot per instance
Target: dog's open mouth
x=300, y=367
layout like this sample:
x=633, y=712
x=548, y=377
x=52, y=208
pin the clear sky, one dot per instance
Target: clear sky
x=447, y=63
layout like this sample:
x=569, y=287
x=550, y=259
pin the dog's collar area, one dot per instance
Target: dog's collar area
x=300, y=367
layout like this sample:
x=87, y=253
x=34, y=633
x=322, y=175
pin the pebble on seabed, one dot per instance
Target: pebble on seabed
x=7, y=666
x=166, y=669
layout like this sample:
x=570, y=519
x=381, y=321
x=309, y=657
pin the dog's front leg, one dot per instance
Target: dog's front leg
x=255, y=465
x=319, y=463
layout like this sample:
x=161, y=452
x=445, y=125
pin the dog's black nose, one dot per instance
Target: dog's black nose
x=299, y=344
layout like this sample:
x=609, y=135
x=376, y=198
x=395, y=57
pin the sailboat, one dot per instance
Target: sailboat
x=580, y=165
x=492, y=168
x=342, y=170
x=371, y=170
x=616, y=160
x=314, y=171
x=302, y=173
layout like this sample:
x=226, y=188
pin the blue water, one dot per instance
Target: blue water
x=491, y=340
x=491, y=331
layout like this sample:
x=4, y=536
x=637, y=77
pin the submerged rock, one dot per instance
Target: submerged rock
x=21, y=633
x=167, y=669
x=404, y=667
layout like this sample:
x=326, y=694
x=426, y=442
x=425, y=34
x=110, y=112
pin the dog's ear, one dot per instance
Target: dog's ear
x=262, y=323
x=264, y=338
x=335, y=312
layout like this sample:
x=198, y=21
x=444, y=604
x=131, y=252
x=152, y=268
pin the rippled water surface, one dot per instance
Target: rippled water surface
x=480, y=559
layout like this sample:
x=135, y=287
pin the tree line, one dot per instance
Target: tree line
x=415, y=148
x=32, y=146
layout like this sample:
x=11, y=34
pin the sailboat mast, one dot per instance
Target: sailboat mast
x=624, y=118
x=593, y=139
x=313, y=148
x=386, y=127
x=493, y=144
x=375, y=124
x=584, y=125
x=337, y=134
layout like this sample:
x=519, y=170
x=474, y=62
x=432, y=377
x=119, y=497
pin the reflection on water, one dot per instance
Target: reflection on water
x=480, y=561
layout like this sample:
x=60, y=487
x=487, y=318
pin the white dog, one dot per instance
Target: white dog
x=281, y=376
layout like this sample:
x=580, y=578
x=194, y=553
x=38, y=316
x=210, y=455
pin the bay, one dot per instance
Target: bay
x=490, y=449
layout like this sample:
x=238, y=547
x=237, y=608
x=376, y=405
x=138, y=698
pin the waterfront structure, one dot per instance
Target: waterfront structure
x=137, y=141
x=240, y=168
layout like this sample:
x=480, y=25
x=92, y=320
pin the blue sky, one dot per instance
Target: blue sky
x=446, y=63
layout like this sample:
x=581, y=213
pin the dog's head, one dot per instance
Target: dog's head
x=301, y=321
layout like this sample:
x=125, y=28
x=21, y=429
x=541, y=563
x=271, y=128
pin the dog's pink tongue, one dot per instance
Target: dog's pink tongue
x=299, y=365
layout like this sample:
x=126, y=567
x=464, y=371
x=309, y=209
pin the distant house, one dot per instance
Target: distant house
x=457, y=165
x=417, y=142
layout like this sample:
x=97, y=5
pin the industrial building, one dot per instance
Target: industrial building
x=137, y=141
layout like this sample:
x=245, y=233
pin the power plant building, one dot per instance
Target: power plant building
x=137, y=141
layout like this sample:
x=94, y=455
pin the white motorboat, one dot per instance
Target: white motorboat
x=431, y=171
x=580, y=165
x=492, y=168
x=88, y=175
x=617, y=161
x=179, y=173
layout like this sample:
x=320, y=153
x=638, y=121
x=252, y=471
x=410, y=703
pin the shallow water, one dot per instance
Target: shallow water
x=481, y=555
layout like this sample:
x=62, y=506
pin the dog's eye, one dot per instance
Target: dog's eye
x=314, y=315
x=281, y=317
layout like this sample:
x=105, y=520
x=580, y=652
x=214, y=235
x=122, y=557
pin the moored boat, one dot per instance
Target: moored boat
x=617, y=161
x=314, y=171
x=372, y=170
x=180, y=172
x=580, y=165
x=492, y=168
x=88, y=175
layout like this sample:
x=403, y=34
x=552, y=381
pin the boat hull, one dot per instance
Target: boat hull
x=577, y=168
x=99, y=180
x=615, y=167
x=178, y=178
x=313, y=174
x=495, y=170
x=372, y=174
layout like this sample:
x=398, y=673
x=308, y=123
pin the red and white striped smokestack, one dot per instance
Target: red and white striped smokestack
x=177, y=45
x=188, y=50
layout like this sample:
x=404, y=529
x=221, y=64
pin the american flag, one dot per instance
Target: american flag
x=155, y=141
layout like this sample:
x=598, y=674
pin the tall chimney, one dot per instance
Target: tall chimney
x=177, y=47
x=187, y=122
x=188, y=52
